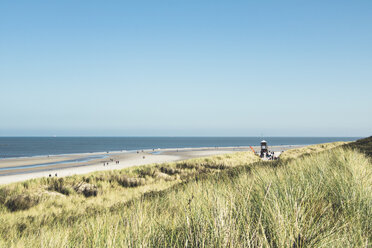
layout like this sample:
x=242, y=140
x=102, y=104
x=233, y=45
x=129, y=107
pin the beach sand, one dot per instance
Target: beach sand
x=10, y=173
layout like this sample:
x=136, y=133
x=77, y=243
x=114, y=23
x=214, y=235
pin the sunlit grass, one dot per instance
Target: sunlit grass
x=46, y=201
x=296, y=152
x=322, y=199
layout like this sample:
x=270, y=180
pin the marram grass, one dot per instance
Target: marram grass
x=320, y=200
x=296, y=152
x=44, y=202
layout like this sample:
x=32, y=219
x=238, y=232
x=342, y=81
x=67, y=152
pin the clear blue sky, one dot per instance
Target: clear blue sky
x=186, y=68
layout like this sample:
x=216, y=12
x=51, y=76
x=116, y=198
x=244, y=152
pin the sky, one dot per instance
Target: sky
x=186, y=68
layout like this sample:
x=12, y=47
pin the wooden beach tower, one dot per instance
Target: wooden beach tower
x=264, y=149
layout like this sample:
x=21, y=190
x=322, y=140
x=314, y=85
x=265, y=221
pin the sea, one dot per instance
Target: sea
x=13, y=147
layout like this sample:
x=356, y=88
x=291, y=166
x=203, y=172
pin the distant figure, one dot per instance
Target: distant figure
x=143, y=157
x=50, y=175
x=56, y=174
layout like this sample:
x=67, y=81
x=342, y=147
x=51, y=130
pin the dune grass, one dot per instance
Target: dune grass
x=296, y=152
x=362, y=145
x=47, y=201
x=322, y=199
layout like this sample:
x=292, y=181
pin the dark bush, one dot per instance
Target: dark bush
x=170, y=171
x=22, y=202
x=185, y=165
x=143, y=172
x=130, y=182
x=86, y=189
x=59, y=185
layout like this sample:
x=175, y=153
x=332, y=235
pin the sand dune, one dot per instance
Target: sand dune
x=43, y=166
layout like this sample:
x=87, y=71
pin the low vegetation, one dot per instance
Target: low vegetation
x=362, y=145
x=321, y=199
x=48, y=201
x=294, y=153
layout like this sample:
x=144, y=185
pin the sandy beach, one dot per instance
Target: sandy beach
x=20, y=169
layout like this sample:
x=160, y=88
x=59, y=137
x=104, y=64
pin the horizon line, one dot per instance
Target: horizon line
x=169, y=136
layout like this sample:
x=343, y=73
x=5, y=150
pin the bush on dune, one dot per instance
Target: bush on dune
x=22, y=201
x=130, y=182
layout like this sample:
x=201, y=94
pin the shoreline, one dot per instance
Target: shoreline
x=58, y=165
x=147, y=149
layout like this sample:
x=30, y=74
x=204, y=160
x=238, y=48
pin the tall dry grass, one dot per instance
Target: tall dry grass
x=49, y=201
x=297, y=152
x=319, y=200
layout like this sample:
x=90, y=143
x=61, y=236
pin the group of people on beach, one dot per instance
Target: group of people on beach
x=271, y=156
x=107, y=163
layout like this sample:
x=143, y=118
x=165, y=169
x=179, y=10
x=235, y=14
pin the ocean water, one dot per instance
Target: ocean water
x=71, y=161
x=37, y=146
